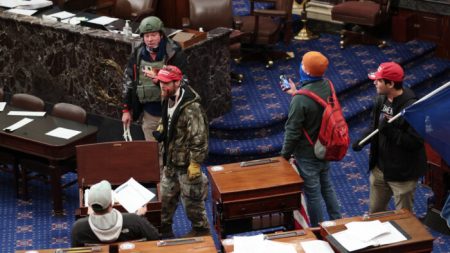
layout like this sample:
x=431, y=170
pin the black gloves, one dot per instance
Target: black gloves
x=158, y=136
x=356, y=147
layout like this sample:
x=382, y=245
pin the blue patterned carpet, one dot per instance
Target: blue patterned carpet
x=254, y=128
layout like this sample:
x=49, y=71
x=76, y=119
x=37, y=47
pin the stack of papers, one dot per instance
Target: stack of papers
x=364, y=234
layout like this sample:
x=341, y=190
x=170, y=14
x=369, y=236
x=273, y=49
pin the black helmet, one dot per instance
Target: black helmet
x=150, y=24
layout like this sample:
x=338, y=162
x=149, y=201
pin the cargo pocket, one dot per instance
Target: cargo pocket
x=195, y=189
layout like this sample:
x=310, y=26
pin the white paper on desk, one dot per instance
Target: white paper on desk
x=102, y=20
x=2, y=106
x=316, y=246
x=62, y=15
x=22, y=11
x=64, y=133
x=366, y=230
x=248, y=244
x=26, y=113
x=9, y=3
x=18, y=124
x=349, y=242
x=132, y=195
x=35, y=4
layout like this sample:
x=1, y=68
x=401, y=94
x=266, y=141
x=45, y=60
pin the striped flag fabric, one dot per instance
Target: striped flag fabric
x=301, y=218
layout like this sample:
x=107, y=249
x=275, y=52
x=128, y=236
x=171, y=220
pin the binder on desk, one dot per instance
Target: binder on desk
x=344, y=242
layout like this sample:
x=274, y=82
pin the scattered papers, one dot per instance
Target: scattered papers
x=351, y=243
x=26, y=4
x=26, y=113
x=257, y=244
x=102, y=20
x=64, y=133
x=316, y=246
x=62, y=15
x=2, y=106
x=18, y=124
x=22, y=11
x=132, y=195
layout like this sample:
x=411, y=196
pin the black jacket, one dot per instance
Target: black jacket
x=134, y=228
x=397, y=149
x=175, y=56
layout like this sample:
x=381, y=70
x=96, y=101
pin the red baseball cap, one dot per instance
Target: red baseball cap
x=169, y=73
x=388, y=70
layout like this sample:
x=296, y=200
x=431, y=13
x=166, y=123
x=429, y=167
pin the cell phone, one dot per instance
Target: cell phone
x=284, y=83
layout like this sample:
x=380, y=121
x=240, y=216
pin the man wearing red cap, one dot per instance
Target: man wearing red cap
x=184, y=134
x=397, y=154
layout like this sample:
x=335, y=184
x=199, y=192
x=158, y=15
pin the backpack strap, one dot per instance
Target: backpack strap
x=318, y=99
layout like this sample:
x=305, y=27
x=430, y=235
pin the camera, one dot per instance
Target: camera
x=284, y=83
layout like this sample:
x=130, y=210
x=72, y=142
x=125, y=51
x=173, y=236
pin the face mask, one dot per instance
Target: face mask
x=304, y=77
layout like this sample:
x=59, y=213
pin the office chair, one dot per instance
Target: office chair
x=207, y=14
x=266, y=26
x=27, y=102
x=40, y=166
x=366, y=15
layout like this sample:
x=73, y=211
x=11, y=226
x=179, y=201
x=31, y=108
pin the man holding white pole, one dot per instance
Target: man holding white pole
x=397, y=154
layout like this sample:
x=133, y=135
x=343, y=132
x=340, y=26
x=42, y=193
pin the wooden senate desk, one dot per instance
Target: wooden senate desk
x=239, y=192
x=32, y=140
x=420, y=239
x=303, y=235
x=202, y=245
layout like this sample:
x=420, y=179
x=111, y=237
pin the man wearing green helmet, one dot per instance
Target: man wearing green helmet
x=141, y=89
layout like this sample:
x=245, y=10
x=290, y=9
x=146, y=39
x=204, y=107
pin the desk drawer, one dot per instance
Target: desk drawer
x=251, y=207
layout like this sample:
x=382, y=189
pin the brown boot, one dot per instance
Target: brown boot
x=198, y=232
x=166, y=232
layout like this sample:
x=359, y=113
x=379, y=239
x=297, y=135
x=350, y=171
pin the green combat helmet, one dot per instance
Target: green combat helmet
x=150, y=24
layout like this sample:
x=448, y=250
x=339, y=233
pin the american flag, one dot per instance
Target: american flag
x=301, y=219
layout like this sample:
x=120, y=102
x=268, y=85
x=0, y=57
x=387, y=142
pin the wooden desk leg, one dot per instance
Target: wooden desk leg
x=55, y=181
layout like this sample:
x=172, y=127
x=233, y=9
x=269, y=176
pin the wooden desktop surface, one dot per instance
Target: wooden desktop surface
x=308, y=236
x=421, y=240
x=205, y=246
x=234, y=182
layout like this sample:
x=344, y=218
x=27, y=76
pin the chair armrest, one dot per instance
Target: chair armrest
x=270, y=13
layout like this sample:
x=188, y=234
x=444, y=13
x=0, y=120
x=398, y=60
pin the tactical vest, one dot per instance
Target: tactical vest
x=147, y=91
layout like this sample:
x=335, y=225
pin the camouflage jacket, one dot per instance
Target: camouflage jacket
x=187, y=137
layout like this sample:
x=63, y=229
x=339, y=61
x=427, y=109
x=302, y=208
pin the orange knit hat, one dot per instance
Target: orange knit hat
x=315, y=63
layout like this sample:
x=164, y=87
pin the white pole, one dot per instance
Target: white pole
x=401, y=113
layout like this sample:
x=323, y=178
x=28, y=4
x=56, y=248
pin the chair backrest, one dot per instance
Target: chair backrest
x=134, y=9
x=285, y=5
x=117, y=162
x=2, y=94
x=27, y=102
x=69, y=111
x=210, y=14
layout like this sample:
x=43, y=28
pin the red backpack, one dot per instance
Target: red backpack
x=333, y=140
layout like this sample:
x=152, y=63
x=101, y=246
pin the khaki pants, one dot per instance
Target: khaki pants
x=149, y=124
x=381, y=192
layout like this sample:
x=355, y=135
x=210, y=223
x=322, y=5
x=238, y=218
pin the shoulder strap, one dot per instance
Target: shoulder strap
x=315, y=97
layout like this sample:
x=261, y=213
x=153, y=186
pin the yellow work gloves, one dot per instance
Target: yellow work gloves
x=193, y=170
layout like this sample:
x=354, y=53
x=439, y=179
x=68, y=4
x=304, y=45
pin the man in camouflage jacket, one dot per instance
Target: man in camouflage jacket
x=184, y=133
